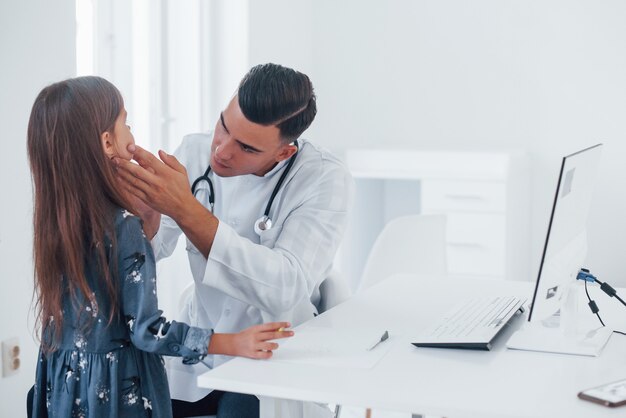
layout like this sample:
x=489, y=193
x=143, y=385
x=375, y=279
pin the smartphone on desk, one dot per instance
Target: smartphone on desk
x=610, y=394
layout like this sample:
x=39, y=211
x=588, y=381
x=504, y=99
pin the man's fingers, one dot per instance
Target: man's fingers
x=147, y=160
x=128, y=179
x=172, y=161
x=136, y=187
x=141, y=155
x=135, y=174
x=132, y=190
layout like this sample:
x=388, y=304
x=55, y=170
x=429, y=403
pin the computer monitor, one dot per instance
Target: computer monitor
x=565, y=248
x=564, y=254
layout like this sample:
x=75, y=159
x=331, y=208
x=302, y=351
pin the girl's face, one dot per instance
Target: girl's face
x=116, y=144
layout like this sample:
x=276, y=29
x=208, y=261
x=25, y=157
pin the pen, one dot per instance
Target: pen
x=383, y=337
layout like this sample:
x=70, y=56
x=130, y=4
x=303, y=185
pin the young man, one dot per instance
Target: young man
x=263, y=222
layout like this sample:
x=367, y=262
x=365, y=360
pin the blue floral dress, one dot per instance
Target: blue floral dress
x=115, y=370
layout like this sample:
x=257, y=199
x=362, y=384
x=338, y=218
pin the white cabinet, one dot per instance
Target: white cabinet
x=463, y=195
x=483, y=194
x=476, y=243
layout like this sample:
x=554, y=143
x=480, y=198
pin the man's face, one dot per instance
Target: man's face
x=242, y=147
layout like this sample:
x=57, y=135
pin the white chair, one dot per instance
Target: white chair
x=408, y=244
x=333, y=290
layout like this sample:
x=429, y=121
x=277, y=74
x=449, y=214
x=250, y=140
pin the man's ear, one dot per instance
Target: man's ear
x=286, y=152
x=108, y=146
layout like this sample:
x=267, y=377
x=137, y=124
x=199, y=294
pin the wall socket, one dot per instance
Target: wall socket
x=10, y=357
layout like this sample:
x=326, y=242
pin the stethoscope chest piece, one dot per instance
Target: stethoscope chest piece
x=262, y=224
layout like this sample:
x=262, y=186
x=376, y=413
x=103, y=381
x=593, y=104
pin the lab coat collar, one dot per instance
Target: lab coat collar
x=274, y=170
x=266, y=176
x=249, y=177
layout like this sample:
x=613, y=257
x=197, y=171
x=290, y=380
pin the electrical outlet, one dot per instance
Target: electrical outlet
x=10, y=357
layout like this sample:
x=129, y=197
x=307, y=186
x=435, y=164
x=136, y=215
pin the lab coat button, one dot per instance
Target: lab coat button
x=234, y=221
x=175, y=348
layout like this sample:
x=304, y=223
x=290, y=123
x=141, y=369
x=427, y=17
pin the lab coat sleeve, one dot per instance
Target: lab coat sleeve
x=166, y=238
x=275, y=278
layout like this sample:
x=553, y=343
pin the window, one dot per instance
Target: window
x=176, y=63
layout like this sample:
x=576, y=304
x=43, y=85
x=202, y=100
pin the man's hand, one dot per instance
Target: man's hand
x=164, y=186
x=150, y=217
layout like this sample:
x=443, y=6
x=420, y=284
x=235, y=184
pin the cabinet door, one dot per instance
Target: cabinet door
x=457, y=195
x=476, y=244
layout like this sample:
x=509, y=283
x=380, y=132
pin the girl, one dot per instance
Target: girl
x=102, y=335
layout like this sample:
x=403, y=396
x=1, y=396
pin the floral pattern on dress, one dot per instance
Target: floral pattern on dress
x=102, y=394
x=92, y=309
x=137, y=261
x=115, y=369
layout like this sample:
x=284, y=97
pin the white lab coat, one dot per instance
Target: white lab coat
x=249, y=279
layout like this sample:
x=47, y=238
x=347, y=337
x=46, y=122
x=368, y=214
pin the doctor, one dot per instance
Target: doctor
x=263, y=219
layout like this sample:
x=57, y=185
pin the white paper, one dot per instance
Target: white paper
x=334, y=348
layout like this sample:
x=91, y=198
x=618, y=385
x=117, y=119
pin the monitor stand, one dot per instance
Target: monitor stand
x=569, y=331
x=538, y=337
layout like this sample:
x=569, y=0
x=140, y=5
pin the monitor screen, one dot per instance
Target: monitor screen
x=565, y=247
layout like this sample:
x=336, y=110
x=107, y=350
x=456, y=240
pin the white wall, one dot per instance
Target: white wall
x=543, y=76
x=546, y=77
x=37, y=47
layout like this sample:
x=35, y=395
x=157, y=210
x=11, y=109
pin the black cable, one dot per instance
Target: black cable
x=593, y=306
x=606, y=288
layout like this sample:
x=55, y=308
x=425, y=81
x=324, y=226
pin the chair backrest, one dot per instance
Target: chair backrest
x=333, y=290
x=408, y=244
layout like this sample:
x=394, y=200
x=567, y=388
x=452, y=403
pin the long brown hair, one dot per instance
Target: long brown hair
x=75, y=195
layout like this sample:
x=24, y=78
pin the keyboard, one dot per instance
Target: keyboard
x=473, y=324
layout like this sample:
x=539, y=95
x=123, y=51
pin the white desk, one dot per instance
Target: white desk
x=443, y=382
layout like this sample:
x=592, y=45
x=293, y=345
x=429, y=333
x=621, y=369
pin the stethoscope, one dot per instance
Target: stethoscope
x=264, y=222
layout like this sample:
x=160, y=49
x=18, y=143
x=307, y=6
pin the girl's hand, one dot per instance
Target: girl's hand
x=253, y=342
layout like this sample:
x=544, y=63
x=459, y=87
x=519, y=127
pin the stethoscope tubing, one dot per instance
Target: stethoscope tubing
x=280, y=182
x=205, y=177
x=268, y=207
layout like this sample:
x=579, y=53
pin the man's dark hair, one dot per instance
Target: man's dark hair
x=271, y=94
